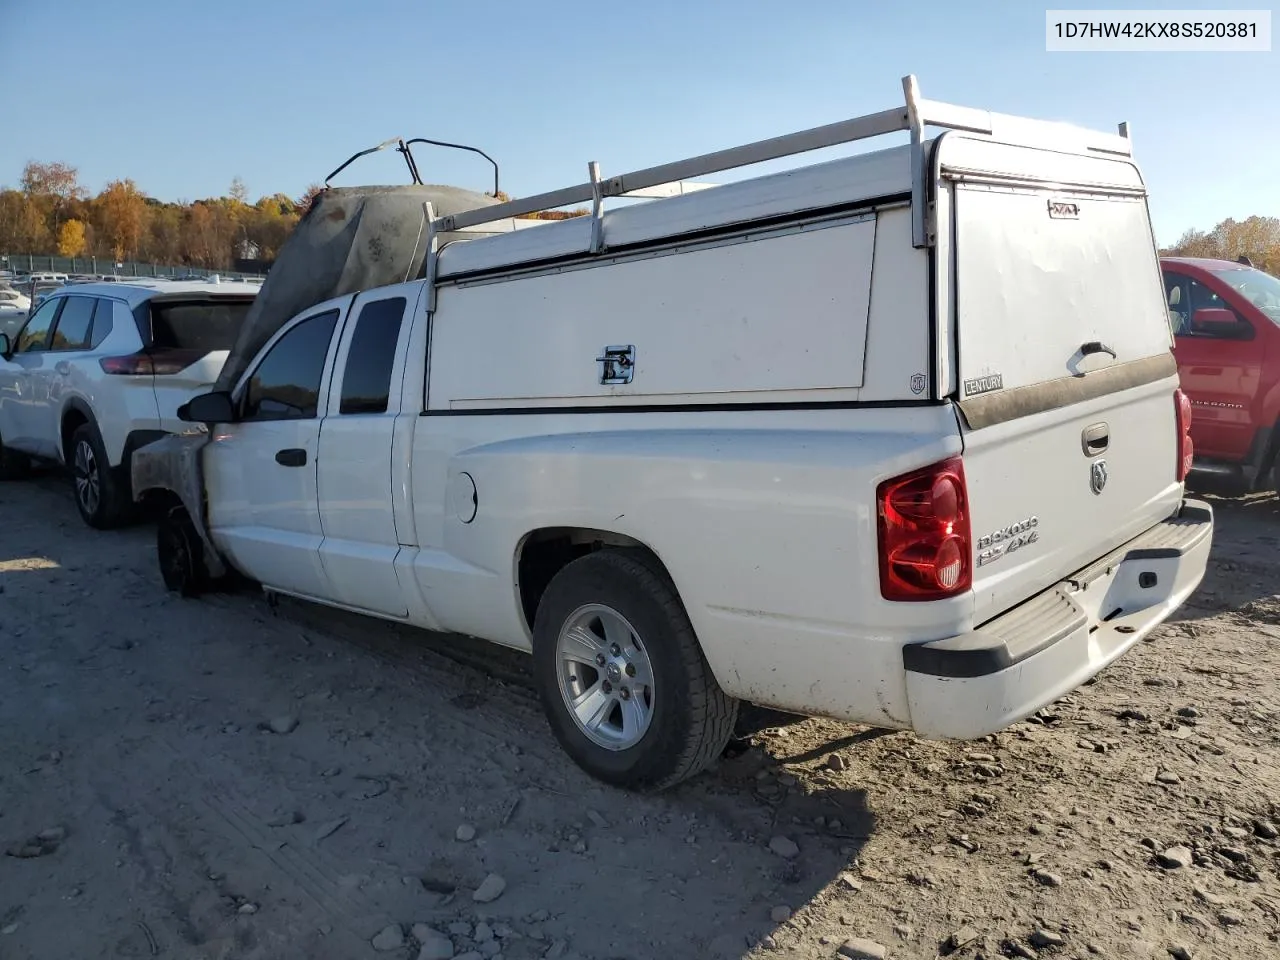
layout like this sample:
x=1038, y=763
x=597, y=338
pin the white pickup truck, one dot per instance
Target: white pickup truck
x=895, y=439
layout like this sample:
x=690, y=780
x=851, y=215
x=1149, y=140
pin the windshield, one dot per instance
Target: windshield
x=1260, y=289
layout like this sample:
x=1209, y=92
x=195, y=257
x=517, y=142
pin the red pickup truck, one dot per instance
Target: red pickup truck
x=1226, y=323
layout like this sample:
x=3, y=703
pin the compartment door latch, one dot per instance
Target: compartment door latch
x=617, y=364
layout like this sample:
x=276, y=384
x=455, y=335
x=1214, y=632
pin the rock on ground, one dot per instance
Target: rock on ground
x=283, y=724
x=432, y=944
x=389, y=938
x=1175, y=858
x=859, y=949
x=490, y=889
x=784, y=847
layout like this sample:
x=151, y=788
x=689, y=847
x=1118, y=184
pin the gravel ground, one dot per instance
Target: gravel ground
x=220, y=779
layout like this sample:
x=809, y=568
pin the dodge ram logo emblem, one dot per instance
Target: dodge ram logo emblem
x=1098, y=475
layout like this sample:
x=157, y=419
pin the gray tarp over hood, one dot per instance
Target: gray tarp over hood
x=352, y=239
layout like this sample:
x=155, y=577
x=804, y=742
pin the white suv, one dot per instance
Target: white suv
x=99, y=369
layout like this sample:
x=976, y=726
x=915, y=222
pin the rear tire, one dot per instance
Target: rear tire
x=102, y=493
x=612, y=634
x=181, y=554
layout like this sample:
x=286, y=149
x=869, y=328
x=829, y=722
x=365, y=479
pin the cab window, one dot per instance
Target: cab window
x=35, y=335
x=286, y=383
x=1186, y=296
x=75, y=324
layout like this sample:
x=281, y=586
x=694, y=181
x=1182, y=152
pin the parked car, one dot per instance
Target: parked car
x=1226, y=320
x=40, y=290
x=741, y=445
x=14, y=305
x=100, y=369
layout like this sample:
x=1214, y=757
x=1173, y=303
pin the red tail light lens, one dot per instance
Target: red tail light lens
x=135, y=364
x=160, y=363
x=924, y=534
x=1186, y=449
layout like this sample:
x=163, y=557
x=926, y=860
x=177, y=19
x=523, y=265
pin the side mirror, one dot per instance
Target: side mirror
x=6, y=347
x=1221, y=323
x=1214, y=317
x=215, y=407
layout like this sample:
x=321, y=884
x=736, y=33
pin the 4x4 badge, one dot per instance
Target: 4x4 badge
x=1098, y=475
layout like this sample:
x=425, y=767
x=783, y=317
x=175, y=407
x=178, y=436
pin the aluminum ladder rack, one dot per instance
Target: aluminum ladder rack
x=669, y=179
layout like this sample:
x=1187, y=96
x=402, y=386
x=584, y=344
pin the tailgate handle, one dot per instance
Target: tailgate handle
x=1096, y=346
x=293, y=457
x=1095, y=439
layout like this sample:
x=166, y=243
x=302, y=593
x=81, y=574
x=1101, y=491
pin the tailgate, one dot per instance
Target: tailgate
x=1066, y=375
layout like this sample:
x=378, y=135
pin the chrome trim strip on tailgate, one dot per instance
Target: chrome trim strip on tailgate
x=991, y=408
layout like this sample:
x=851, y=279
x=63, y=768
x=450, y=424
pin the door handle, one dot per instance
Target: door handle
x=1095, y=439
x=293, y=457
x=1096, y=346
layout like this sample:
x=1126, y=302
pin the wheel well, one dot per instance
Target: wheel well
x=72, y=420
x=546, y=552
x=160, y=499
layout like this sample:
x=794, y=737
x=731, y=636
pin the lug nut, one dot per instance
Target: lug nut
x=600, y=659
x=631, y=669
x=615, y=650
x=607, y=687
x=626, y=694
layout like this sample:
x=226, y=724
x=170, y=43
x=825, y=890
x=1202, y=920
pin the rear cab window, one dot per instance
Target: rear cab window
x=366, y=379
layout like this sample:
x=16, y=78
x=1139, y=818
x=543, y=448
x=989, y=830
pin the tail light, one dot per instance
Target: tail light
x=1186, y=449
x=924, y=534
x=160, y=363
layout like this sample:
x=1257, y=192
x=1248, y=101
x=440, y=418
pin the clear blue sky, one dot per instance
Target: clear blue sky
x=182, y=96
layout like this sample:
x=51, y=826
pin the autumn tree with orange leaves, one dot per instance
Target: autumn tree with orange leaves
x=1257, y=238
x=71, y=238
x=122, y=222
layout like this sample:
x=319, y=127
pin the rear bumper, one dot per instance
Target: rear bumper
x=980, y=682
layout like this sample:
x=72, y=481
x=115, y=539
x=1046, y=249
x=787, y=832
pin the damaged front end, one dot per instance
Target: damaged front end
x=170, y=469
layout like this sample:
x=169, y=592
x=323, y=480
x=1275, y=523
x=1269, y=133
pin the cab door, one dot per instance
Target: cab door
x=361, y=542
x=261, y=470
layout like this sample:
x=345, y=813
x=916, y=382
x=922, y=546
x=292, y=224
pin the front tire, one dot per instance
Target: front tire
x=181, y=554
x=102, y=495
x=622, y=678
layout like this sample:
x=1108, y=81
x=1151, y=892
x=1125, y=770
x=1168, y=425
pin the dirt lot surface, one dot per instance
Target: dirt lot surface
x=216, y=778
